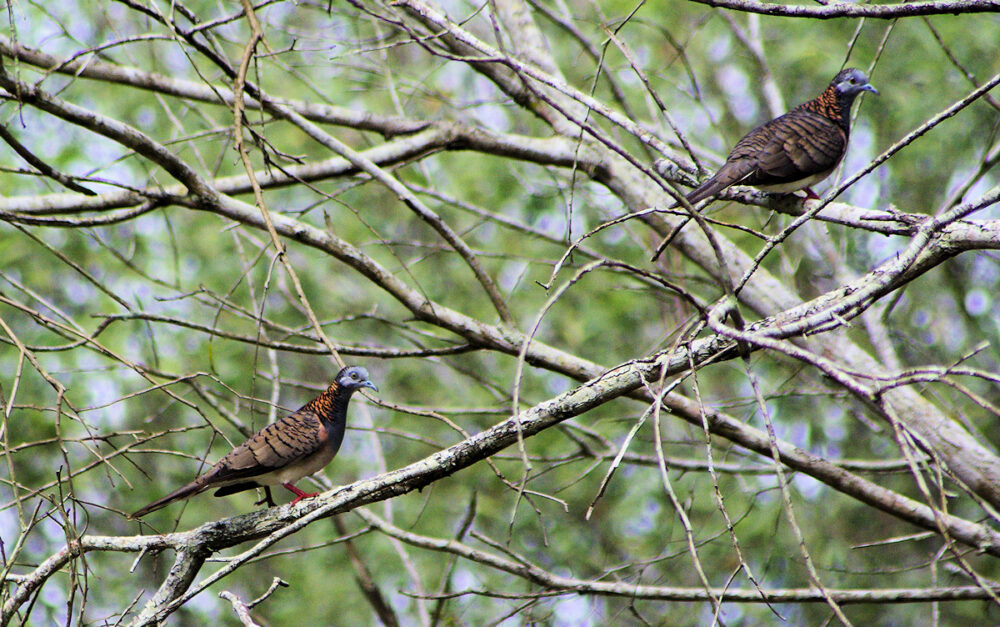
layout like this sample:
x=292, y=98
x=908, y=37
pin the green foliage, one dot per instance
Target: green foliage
x=135, y=351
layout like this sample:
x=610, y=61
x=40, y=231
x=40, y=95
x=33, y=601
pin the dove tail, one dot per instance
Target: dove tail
x=711, y=187
x=190, y=489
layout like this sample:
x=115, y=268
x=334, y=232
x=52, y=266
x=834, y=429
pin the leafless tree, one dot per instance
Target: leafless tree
x=208, y=208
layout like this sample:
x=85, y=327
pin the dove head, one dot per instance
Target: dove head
x=353, y=378
x=851, y=82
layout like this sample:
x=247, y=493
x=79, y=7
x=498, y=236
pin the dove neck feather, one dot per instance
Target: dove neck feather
x=833, y=106
x=331, y=405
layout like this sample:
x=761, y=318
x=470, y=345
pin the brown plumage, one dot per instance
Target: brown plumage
x=284, y=451
x=796, y=150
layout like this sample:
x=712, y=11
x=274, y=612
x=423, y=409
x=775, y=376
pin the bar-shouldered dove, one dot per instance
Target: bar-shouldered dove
x=284, y=451
x=796, y=150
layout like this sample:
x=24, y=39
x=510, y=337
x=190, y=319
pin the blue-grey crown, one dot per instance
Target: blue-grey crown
x=353, y=378
x=851, y=82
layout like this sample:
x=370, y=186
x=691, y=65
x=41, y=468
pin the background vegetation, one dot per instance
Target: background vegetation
x=577, y=436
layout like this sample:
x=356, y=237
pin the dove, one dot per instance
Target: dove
x=284, y=451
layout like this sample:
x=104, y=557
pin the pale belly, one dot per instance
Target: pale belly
x=794, y=186
x=298, y=470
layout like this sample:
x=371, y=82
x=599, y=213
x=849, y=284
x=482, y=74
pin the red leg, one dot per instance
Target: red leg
x=810, y=194
x=299, y=494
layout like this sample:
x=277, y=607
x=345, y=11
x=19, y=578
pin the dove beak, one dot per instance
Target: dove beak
x=369, y=384
x=871, y=89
